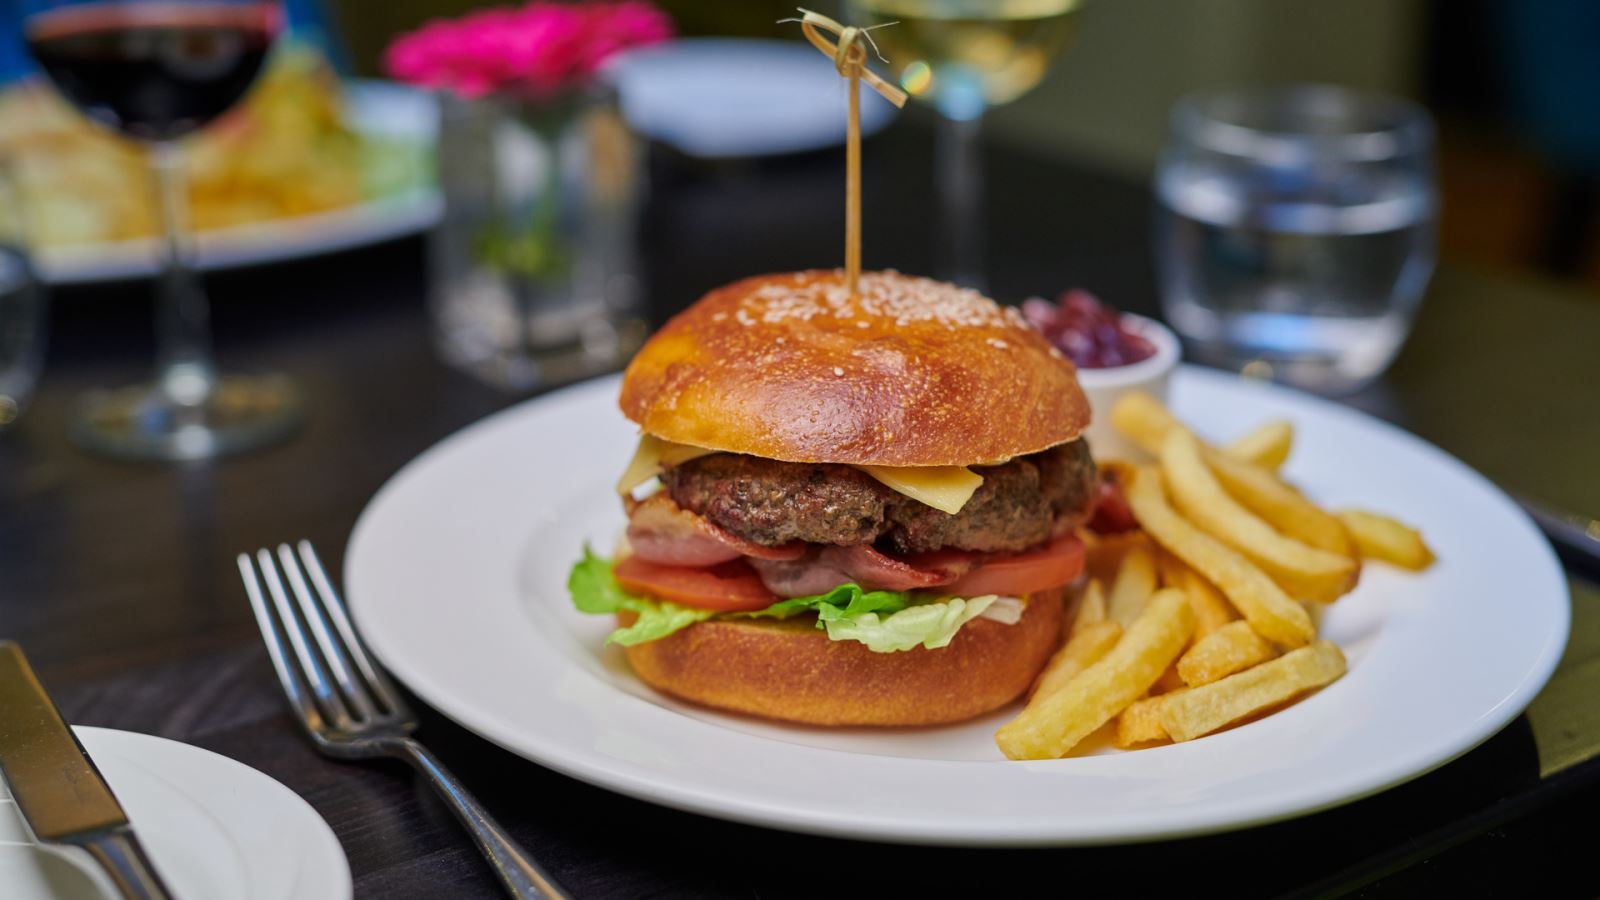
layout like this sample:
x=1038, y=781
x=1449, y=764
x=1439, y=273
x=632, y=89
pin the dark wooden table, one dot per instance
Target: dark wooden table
x=119, y=579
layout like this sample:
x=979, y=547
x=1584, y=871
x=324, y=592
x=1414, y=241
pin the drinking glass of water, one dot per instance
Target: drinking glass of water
x=1295, y=230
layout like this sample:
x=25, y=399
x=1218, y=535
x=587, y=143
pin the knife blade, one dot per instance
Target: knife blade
x=56, y=786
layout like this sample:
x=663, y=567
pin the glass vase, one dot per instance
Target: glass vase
x=533, y=265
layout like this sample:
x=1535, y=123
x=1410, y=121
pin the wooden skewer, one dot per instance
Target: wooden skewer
x=852, y=188
x=850, y=58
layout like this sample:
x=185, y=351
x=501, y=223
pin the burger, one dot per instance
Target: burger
x=846, y=509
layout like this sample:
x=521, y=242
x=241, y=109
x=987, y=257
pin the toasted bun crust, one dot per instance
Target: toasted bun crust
x=789, y=670
x=914, y=372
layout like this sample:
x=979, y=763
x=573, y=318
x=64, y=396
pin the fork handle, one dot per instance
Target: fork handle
x=522, y=877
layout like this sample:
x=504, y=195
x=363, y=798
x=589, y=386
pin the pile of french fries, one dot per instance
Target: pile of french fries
x=1206, y=615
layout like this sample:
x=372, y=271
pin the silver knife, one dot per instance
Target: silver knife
x=56, y=786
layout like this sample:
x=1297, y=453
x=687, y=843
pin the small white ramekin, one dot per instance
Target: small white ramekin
x=1104, y=386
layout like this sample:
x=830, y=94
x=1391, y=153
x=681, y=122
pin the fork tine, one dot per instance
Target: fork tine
x=276, y=651
x=310, y=667
x=356, y=696
x=377, y=680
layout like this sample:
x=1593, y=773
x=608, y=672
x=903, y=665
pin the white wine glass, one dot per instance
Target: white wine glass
x=963, y=57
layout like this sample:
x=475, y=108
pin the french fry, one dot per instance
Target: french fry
x=1204, y=709
x=1055, y=723
x=1136, y=581
x=1268, y=609
x=1169, y=569
x=1267, y=446
x=1104, y=553
x=1381, y=537
x=1091, y=607
x=1146, y=422
x=1084, y=649
x=1142, y=419
x=1231, y=648
x=1211, y=609
x=1305, y=572
x=1140, y=723
x=1317, y=612
x=1169, y=681
x=1117, y=469
x=1283, y=507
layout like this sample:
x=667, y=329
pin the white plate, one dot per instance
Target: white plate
x=373, y=107
x=215, y=828
x=456, y=573
x=725, y=97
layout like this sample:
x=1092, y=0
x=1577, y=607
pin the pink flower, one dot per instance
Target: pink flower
x=538, y=49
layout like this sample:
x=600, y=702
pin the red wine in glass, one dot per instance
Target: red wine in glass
x=153, y=71
x=157, y=71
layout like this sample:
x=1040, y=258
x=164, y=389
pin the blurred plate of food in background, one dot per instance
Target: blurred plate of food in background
x=720, y=98
x=307, y=165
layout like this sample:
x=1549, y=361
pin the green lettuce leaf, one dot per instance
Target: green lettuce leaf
x=657, y=620
x=886, y=621
x=595, y=590
x=932, y=625
x=843, y=602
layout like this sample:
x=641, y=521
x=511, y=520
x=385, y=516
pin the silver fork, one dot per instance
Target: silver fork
x=347, y=704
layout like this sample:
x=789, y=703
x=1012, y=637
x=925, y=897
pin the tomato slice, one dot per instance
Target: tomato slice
x=729, y=587
x=1015, y=574
x=948, y=561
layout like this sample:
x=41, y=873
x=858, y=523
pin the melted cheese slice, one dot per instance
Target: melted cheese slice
x=945, y=488
x=652, y=453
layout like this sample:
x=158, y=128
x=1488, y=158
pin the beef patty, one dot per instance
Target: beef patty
x=771, y=502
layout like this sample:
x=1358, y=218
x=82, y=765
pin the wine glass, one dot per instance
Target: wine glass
x=156, y=71
x=963, y=57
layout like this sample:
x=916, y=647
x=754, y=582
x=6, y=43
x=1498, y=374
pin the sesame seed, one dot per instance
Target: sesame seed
x=888, y=295
x=838, y=371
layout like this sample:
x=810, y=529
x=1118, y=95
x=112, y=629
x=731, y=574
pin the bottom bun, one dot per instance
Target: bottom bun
x=789, y=670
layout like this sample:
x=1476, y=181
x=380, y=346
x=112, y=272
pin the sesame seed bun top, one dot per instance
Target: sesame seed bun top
x=913, y=372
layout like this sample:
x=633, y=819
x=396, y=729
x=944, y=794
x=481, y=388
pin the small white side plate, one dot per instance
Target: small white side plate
x=457, y=573
x=215, y=828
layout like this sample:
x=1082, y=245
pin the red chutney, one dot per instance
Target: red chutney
x=1089, y=332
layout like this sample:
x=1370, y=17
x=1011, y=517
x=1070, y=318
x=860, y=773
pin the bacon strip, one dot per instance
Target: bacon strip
x=824, y=568
x=875, y=571
x=803, y=577
x=660, y=531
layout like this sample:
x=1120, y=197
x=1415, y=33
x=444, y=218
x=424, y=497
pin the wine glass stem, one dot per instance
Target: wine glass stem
x=960, y=183
x=184, y=369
